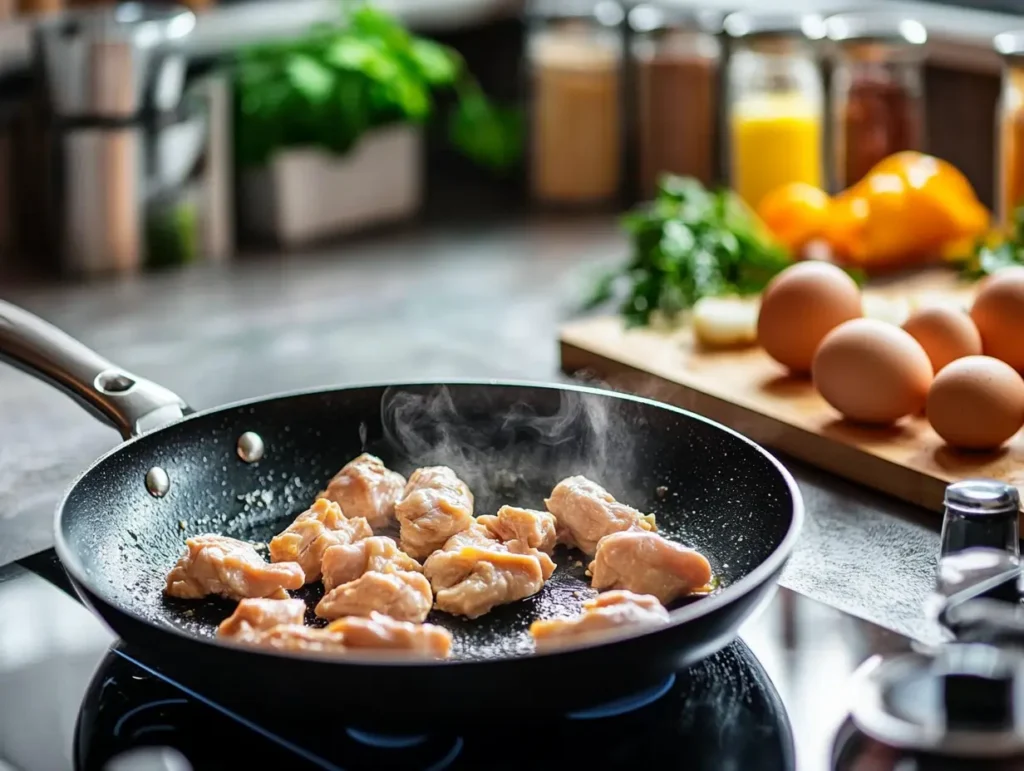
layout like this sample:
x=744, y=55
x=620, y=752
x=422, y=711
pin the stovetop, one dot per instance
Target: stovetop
x=73, y=698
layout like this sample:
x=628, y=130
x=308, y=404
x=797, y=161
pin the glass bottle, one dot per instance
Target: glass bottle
x=877, y=91
x=776, y=103
x=575, y=56
x=676, y=54
x=1010, y=123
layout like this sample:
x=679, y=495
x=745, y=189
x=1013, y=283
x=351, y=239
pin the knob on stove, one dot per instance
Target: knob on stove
x=980, y=513
x=964, y=702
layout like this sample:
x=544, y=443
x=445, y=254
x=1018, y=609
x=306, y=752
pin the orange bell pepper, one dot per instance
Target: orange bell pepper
x=796, y=214
x=909, y=208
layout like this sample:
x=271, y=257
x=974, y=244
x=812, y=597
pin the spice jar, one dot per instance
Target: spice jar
x=776, y=103
x=676, y=56
x=575, y=55
x=1010, y=122
x=877, y=89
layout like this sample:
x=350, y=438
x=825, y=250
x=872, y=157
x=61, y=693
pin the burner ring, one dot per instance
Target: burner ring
x=626, y=704
x=386, y=741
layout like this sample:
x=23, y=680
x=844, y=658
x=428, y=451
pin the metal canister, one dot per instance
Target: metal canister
x=105, y=71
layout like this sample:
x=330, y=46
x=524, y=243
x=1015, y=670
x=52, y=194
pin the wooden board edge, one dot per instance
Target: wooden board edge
x=838, y=458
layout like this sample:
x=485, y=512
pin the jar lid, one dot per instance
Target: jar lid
x=607, y=13
x=661, y=16
x=1010, y=44
x=982, y=498
x=750, y=25
x=875, y=28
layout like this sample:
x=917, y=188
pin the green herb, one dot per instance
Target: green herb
x=689, y=243
x=339, y=81
x=988, y=258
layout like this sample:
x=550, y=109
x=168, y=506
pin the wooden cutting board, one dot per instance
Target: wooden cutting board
x=748, y=391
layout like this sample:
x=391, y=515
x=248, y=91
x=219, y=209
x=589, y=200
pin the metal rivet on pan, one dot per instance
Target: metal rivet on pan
x=157, y=482
x=250, y=447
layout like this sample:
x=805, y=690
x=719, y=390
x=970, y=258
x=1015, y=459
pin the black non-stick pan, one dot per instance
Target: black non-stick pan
x=247, y=469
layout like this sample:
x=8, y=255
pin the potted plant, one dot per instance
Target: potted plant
x=329, y=127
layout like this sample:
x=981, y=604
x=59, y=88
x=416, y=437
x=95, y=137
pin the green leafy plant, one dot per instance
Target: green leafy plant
x=339, y=81
x=989, y=257
x=689, y=243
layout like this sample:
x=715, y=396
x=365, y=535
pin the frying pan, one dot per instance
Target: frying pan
x=247, y=469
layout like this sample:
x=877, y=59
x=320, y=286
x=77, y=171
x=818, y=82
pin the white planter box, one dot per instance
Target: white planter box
x=307, y=194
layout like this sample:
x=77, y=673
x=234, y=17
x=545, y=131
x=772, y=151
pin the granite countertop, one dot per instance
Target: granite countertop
x=439, y=301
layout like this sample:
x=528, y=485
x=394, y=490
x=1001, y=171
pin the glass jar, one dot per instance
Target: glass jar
x=776, y=103
x=1010, y=123
x=877, y=91
x=676, y=54
x=575, y=55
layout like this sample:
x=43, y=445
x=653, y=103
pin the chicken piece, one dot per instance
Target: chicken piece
x=585, y=513
x=216, y=564
x=402, y=595
x=436, y=505
x=315, y=530
x=258, y=615
x=533, y=529
x=382, y=632
x=471, y=581
x=483, y=538
x=379, y=554
x=610, y=610
x=296, y=638
x=366, y=488
x=646, y=563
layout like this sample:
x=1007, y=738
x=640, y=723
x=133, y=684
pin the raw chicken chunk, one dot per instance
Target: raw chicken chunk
x=471, y=580
x=259, y=615
x=385, y=633
x=479, y=536
x=646, y=563
x=533, y=529
x=609, y=610
x=216, y=564
x=402, y=595
x=436, y=505
x=315, y=530
x=366, y=488
x=380, y=554
x=295, y=638
x=586, y=513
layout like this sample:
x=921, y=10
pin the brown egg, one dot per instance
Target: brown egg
x=976, y=403
x=872, y=372
x=998, y=312
x=800, y=306
x=945, y=333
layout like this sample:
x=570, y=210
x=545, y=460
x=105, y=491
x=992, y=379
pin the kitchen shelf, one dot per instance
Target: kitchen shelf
x=221, y=29
x=959, y=37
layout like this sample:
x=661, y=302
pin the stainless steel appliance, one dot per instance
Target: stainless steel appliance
x=122, y=136
x=960, y=704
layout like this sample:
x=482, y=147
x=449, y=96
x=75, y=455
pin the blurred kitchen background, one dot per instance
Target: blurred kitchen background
x=145, y=136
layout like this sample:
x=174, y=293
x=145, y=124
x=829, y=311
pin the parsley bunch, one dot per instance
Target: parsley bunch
x=988, y=257
x=689, y=243
x=339, y=81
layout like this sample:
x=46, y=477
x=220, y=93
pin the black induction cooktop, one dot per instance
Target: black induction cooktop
x=722, y=714
x=75, y=698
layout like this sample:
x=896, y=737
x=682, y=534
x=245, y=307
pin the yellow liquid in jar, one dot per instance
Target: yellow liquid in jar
x=776, y=139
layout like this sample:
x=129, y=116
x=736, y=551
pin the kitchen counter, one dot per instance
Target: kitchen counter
x=432, y=302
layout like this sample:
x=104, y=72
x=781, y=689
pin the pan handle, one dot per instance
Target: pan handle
x=129, y=403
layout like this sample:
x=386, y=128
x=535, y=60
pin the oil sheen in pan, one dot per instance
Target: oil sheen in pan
x=502, y=632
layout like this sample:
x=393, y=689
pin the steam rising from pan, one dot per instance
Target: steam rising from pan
x=504, y=450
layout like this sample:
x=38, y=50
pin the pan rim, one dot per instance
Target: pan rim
x=734, y=591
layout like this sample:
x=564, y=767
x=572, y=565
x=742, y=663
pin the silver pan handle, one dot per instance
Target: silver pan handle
x=129, y=403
